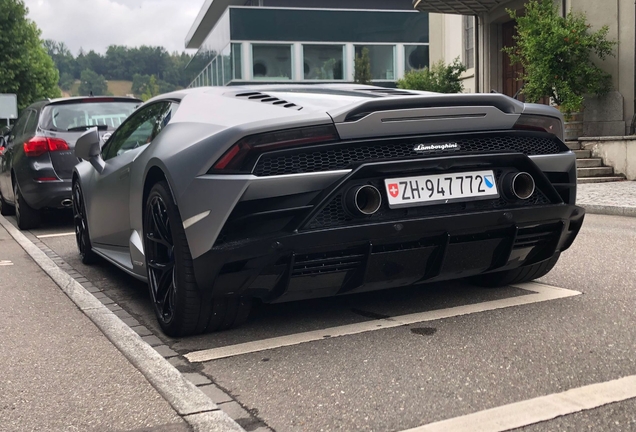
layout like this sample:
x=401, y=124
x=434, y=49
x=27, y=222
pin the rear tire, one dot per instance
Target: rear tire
x=80, y=220
x=26, y=216
x=516, y=276
x=176, y=298
x=229, y=312
x=5, y=208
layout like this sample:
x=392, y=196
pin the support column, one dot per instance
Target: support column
x=246, y=61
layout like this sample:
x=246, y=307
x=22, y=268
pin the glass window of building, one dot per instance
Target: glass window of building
x=416, y=57
x=323, y=62
x=382, y=61
x=237, y=64
x=469, y=42
x=226, y=62
x=215, y=74
x=272, y=61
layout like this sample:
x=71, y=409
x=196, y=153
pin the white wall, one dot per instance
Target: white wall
x=447, y=43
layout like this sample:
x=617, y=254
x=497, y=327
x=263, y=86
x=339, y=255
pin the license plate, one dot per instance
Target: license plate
x=441, y=189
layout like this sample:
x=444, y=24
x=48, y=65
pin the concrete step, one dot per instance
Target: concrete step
x=587, y=180
x=583, y=154
x=595, y=172
x=573, y=145
x=589, y=163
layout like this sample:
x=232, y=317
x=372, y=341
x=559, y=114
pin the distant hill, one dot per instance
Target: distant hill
x=116, y=88
x=120, y=88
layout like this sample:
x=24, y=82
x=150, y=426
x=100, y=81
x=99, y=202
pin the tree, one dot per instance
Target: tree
x=556, y=54
x=363, y=68
x=151, y=89
x=439, y=78
x=150, y=86
x=92, y=83
x=118, y=62
x=66, y=81
x=25, y=67
x=63, y=58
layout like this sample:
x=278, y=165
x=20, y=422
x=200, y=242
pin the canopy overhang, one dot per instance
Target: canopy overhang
x=459, y=7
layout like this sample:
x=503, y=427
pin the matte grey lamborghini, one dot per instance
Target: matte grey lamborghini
x=218, y=196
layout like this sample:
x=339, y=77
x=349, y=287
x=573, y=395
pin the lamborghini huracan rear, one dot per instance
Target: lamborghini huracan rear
x=217, y=196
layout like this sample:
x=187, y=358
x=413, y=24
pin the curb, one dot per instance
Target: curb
x=609, y=210
x=194, y=406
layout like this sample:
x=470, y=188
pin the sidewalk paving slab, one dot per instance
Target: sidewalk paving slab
x=617, y=199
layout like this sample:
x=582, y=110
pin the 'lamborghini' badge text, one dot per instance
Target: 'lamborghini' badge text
x=436, y=147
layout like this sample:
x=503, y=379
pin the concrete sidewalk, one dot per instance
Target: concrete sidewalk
x=67, y=363
x=58, y=371
x=617, y=198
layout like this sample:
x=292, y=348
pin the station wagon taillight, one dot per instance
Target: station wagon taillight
x=37, y=146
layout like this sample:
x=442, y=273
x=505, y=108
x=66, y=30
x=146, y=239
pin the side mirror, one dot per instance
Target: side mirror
x=88, y=148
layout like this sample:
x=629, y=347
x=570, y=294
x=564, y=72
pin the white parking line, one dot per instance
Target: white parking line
x=540, y=293
x=520, y=414
x=5, y=263
x=55, y=235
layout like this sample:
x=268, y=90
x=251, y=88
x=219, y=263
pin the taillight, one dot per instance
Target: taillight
x=540, y=123
x=37, y=146
x=249, y=148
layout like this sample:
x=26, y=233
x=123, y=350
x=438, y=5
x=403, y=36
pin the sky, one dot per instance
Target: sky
x=96, y=24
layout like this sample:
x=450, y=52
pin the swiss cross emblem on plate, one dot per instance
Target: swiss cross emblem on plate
x=394, y=190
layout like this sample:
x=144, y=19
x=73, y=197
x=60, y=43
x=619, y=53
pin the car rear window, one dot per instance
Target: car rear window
x=75, y=116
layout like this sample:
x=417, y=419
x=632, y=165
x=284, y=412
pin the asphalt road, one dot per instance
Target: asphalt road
x=393, y=379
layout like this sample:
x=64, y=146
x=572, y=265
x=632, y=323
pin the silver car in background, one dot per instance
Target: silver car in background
x=219, y=196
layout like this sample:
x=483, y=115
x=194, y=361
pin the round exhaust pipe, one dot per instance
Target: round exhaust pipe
x=67, y=203
x=363, y=200
x=519, y=186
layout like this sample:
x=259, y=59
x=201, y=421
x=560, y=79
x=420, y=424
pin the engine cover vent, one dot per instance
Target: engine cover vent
x=265, y=98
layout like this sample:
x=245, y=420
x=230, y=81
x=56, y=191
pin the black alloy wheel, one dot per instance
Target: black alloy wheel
x=160, y=259
x=176, y=297
x=26, y=216
x=81, y=227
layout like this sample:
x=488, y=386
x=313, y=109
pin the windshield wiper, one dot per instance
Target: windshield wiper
x=87, y=127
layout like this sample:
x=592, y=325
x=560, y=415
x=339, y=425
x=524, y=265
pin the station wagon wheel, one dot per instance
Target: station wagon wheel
x=26, y=216
x=81, y=227
x=5, y=208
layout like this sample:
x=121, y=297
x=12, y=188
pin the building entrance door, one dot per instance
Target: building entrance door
x=511, y=72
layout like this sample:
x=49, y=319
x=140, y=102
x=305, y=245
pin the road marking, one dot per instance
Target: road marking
x=520, y=414
x=56, y=235
x=5, y=263
x=540, y=293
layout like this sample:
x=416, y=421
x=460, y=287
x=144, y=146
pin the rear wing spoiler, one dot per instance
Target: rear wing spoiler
x=426, y=114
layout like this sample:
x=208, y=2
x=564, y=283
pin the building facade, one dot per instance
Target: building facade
x=283, y=41
x=493, y=29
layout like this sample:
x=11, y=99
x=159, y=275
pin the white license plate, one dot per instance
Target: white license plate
x=440, y=189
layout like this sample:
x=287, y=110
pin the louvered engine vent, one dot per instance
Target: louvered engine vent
x=264, y=98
